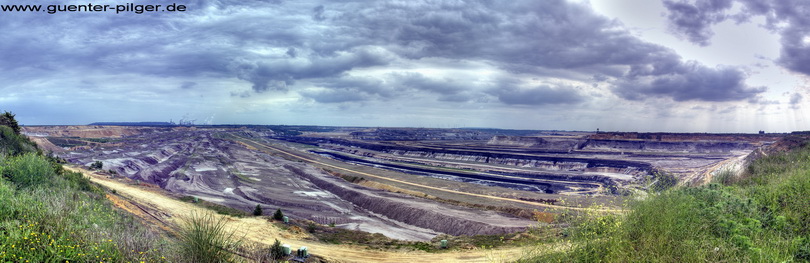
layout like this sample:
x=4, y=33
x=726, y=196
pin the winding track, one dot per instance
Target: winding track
x=263, y=147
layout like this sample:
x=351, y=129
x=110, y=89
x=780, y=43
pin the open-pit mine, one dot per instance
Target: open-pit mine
x=405, y=183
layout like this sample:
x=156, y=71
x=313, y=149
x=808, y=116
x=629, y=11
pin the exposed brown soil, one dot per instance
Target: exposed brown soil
x=46, y=145
x=85, y=131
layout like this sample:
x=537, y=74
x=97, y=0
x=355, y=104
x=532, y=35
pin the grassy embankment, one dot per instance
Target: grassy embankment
x=761, y=216
x=48, y=214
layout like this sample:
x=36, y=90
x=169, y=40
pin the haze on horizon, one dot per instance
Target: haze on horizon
x=630, y=65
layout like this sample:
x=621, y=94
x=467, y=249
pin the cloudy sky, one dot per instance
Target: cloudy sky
x=624, y=65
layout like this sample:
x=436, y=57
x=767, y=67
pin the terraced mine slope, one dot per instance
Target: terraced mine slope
x=410, y=184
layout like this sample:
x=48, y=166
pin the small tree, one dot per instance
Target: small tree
x=7, y=119
x=278, y=215
x=96, y=165
x=258, y=210
x=276, y=251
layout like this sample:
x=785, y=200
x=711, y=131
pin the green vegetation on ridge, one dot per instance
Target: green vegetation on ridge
x=49, y=214
x=761, y=216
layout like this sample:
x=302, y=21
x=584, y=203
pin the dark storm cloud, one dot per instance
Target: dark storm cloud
x=336, y=96
x=349, y=88
x=693, y=20
x=690, y=81
x=540, y=95
x=790, y=18
x=317, y=13
x=446, y=89
x=292, y=52
x=278, y=74
x=444, y=86
x=394, y=85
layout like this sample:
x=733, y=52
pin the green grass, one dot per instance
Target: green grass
x=223, y=210
x=761, y=216
x=242, y=176
x=66, y=142
x=50, y=215
x=76, y=141
x=219, y=209
x=100, y=140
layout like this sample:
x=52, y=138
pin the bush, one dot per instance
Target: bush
x=663, y=181
x=278, y=215
x=97, y=165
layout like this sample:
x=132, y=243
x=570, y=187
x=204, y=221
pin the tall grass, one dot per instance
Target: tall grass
x=204, y=238
x=761, y=216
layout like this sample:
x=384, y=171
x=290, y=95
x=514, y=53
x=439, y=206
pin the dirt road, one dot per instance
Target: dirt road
x=259, y=230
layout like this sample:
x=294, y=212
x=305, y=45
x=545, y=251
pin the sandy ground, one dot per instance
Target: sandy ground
x=259, y=230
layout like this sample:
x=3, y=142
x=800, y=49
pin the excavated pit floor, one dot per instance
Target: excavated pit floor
x=198, y=163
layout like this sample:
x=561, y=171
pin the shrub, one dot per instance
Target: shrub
x=97, y=165
x=663, y=181
x=278, y=215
